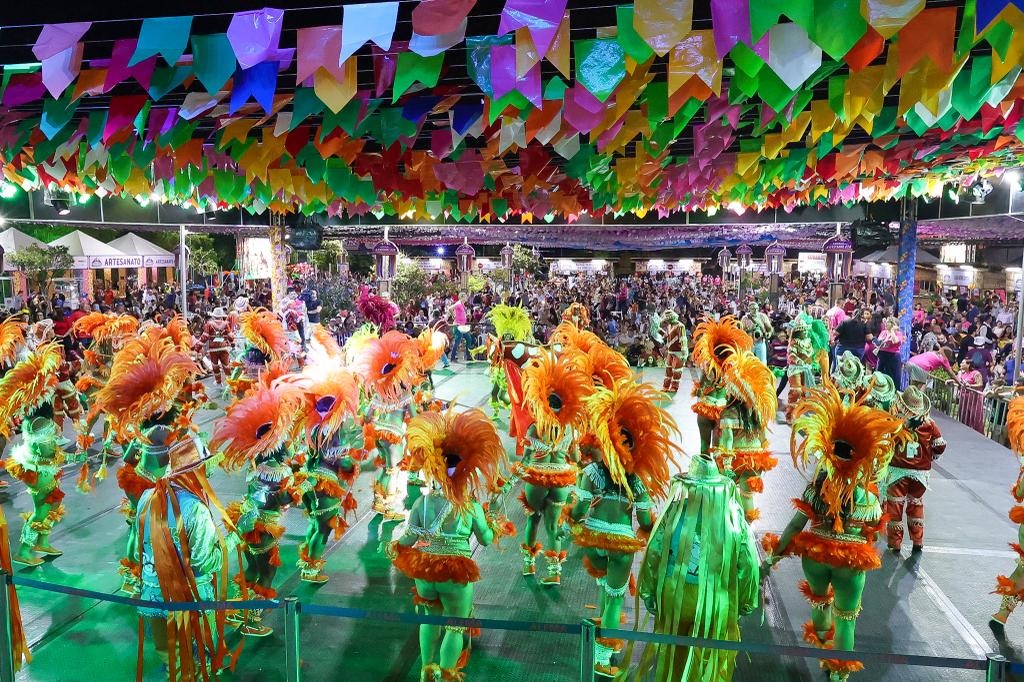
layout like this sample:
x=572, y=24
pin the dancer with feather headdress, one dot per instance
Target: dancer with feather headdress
x=1011, y=587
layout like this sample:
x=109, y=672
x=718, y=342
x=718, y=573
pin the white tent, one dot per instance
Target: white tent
x=153, y=256
x=92, y=254
x=12, y=240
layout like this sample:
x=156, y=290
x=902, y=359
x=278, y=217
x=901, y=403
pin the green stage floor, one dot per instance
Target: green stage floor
x=935, y=604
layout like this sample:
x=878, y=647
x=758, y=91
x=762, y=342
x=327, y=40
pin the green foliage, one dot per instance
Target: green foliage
x=202, y=255
x=411, y=283
x=327, y=259
x=443, y=286
x=360, y=264
x=40, y=262
x=476, y=283
x=523, y=261
x=335, y=296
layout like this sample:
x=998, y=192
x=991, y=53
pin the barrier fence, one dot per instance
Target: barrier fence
x=996, y=667
x=985, y=412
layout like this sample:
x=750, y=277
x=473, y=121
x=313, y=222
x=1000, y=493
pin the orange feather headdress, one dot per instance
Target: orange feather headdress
x=580, y=312
x=559, y=380
x=1015, y=424
x=714, y=340
x=256, y=425
x=635, y=434
x=29, y=384
x=12, y=338
x=568, y=335
x=262, y=330
x=851, y=444
x=331, y=394
x=389, y=366
x=431, y=345
x=179, y=332
x=605, y=365
x=461, y=452
x=323, y=347
x=144, y=383
x=749, y=380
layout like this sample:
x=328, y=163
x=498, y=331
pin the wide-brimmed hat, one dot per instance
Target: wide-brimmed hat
x=218, y=312
x=241, y=303
x=883, y=389
x=850, y=369
x=670, y=316
x=42, y=429
x=911, y=403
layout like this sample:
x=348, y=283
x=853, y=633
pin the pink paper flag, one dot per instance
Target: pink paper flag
x=582, y=110
x=123, y=110
x=254, y=36
x=436, y=17
x=540, y=17
x=56, y=38
x=318, y=47
x=118, y=70
x=503, y=75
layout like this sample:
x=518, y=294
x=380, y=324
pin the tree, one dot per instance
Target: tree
x=410, y=285
x=202, y=255
x=327, y=258
x=360, y=264
x=524, y=262
x=40, y=262
x=476, y=283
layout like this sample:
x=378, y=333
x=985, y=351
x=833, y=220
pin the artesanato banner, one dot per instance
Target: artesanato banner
x=104, y=262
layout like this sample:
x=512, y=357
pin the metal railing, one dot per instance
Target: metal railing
x=983, y=411
x=996, y=667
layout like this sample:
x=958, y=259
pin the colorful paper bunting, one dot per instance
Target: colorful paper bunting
x=792, y=55
x=255, y=35
x=438, y=17
x=370, y=22
x=413, y=68
x=540, y=17
x=600, y=66
x=164, y=36
x=429, y=45
x=213, y=59
x=662, y=23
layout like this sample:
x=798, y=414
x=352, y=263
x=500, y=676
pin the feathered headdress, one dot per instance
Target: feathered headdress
x=389, y=366
x=578, y=311
x=144, y=386
x=511, y=321
x=323, y=348
x=461, y=452
x=256, y=425
x=376, y=309
x=605, y=365
x=554, y=389
x=12, y=338
x=634, y=434
x=1015, y=424
x=431, y=345
x=851, y=445
x=331, y=394
x=714, y=340
x=751, y=382
x=103, y=327
x=29, y=384
x=568, y=335
x=264, y=332
x=358, y=342
x=179, y=332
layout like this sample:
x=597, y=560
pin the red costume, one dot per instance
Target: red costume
x=218, y=339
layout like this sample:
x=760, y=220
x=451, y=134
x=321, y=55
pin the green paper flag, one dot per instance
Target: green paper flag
x=632, y=44
x=166, y=79
x=600, y=66
x=165, y=36
x=971, y=86
x=838, y=25
x=765, y=13
x=413, y=68
x=836, y=96
x=57, y=113
x=553, y=89
x=304, y=104
x=213, y=59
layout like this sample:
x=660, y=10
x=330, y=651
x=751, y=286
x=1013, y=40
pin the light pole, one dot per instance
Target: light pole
x=183, y=269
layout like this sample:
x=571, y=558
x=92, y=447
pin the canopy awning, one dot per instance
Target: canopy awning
x=892, y=255
x=153, y=256
x=12, y=240
x=92, y=254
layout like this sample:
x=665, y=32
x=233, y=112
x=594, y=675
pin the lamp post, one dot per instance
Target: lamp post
x=774, y=254
x=183, y=270
x=385, y=255
x=507, y=254
x=464, y=256
x=744, y=256
x=838, y=252
x=725, y=263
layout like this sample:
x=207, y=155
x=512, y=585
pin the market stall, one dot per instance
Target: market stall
x=13, y=282
x=155, y=259
x=91, y=256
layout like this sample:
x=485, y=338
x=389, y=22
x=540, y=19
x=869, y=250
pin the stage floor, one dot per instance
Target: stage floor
x=933, y=604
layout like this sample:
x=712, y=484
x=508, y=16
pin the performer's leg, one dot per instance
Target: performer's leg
x=456, y=600
x=1012, y=587
x=534, y=499
x=849, y=588
x=556, y=499
x=915, y=514
x=706, y=427
x=158, y=631
x=819, y=593
x=895, y=502
x=427, y=602
x=796, y=384
x=614, y=587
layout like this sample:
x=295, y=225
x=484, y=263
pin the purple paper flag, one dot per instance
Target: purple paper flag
x=60, y=70
x=23, y=88
x=254, y=36
x=503, y=75
x=161, y=119
x=540, y=17
x=56, y=38
x=582, y=110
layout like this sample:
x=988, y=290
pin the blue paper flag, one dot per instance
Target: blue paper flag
x=164, y=36
x=987, y=10
x=258, y=82
x=465, y=114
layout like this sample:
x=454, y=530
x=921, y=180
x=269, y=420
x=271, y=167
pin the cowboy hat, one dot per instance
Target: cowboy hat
x=218, y=312
x=850, y=369
x=911, y=403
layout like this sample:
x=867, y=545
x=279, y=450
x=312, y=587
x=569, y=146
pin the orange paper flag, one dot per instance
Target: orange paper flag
x=929, y=34
x=663, y=23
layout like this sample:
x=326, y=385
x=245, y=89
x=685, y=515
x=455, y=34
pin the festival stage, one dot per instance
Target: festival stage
x=934, y=604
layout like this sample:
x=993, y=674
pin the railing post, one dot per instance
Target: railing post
x=998, y=669
x=588, y=638
x=6, y=630
x=291, y=639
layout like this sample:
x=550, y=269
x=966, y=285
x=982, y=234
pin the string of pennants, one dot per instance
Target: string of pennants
x=788, y=103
